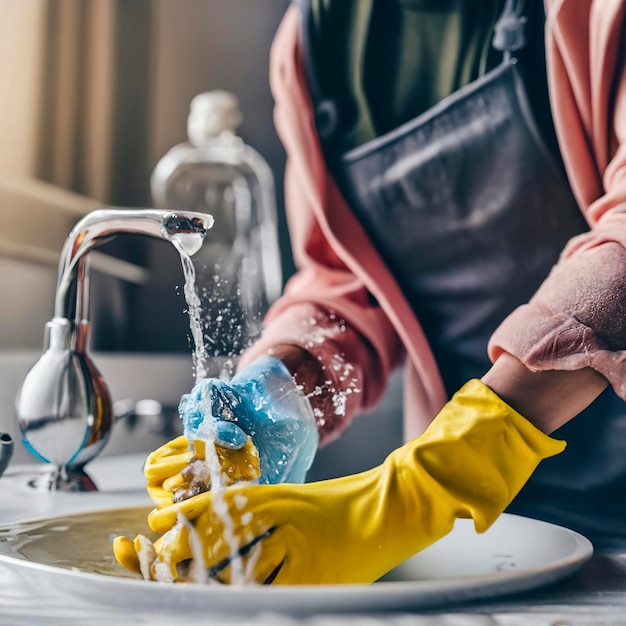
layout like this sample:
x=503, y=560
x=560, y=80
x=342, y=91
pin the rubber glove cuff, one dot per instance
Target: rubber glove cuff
x=480, y=452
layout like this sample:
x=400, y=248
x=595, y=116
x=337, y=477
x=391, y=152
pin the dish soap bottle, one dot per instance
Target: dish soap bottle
x=238, y=270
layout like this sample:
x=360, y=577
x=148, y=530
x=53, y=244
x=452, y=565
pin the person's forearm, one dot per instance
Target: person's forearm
x=548, y=399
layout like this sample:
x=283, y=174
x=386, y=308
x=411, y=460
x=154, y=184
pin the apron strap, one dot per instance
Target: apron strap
x=509, y=31
x=326, y=112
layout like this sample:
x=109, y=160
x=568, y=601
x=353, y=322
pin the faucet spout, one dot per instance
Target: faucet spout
x=64, y=408
x=182, y=229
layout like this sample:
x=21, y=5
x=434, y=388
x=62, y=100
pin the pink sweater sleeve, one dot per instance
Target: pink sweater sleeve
x=577, y=318
x=326, y=309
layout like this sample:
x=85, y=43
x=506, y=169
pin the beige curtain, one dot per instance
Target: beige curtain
x=93, y=122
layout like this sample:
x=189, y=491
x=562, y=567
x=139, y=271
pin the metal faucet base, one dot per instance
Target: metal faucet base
x=60, y=479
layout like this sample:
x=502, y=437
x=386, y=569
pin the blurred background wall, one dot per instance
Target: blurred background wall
x=94, y=93
x=97, y=90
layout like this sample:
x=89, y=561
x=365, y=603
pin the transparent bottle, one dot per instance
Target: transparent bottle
x=238, y=269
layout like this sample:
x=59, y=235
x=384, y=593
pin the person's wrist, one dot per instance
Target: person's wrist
x=308, y=374
x=548, y=399
x=306, y=370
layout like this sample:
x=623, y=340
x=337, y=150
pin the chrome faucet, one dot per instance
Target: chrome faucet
x=64, y=408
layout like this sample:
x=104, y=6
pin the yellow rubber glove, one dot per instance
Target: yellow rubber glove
x=176, y=471
x=169, y=475
x=470, y=463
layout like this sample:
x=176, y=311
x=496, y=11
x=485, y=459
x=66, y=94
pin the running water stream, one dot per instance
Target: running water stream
x=207, y=432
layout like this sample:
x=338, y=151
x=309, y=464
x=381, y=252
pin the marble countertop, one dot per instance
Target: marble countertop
x=595, y=596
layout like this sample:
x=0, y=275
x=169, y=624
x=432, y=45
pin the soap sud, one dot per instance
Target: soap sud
x=162, y=567
x=197, y=553
x=146, y=554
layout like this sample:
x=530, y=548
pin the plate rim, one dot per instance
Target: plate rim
x=394, y=594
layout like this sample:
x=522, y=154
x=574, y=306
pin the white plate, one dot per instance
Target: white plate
x=516, y=554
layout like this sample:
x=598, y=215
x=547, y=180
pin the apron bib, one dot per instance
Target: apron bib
x=470, y=211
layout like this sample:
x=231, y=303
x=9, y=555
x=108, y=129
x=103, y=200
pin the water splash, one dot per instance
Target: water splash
x=203, y=329
x=342, y=381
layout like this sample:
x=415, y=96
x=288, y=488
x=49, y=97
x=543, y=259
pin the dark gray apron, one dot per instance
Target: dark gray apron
x=470, y=211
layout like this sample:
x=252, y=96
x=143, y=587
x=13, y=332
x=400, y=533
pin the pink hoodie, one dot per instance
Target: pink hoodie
x=578, y=316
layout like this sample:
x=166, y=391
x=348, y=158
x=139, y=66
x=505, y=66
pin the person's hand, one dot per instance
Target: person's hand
x=470, y=463
x=177, y=471
x=262, y=402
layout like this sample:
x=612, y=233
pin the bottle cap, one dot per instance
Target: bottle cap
x=211, y=114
